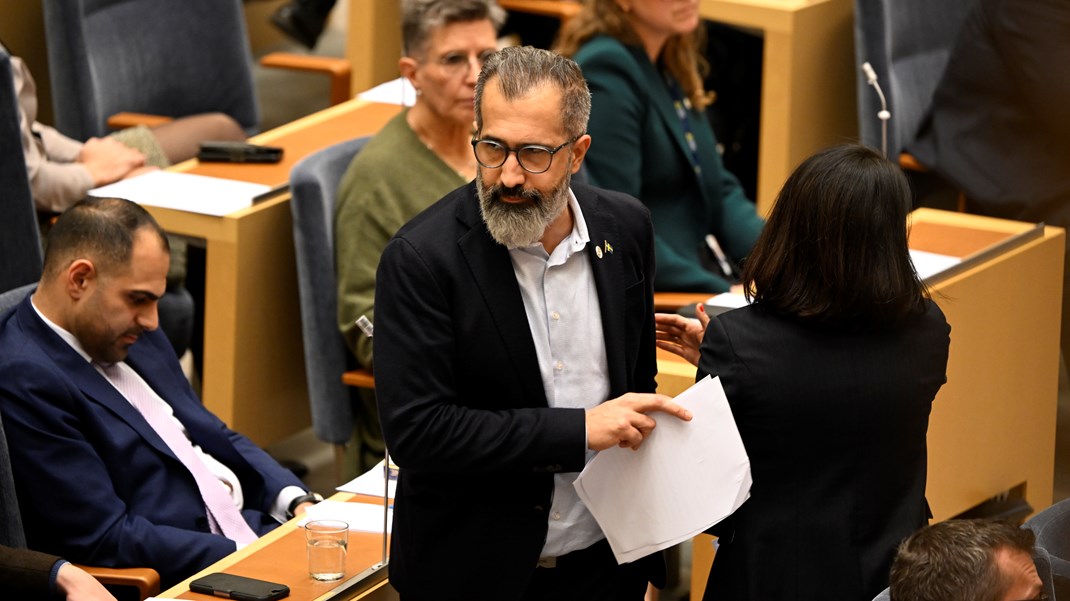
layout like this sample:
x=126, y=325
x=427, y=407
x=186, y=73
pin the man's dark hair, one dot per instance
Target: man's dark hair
x=835, y=247
x=956, y=561
x=520, y=69
x=100, y=229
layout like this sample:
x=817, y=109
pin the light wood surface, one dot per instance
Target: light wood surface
x=373, y=42
x=992, y=425
x=254, y=374
x=280, y=556
x=808, y=80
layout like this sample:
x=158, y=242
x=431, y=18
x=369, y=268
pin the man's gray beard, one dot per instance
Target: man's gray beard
x=520, y=225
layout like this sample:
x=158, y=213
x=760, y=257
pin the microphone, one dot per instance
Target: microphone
x=883, y=114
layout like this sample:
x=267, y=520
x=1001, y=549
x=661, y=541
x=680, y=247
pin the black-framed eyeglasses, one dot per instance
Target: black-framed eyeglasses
x=533, y=158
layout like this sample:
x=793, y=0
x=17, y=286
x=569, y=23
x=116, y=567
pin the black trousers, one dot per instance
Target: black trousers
x=590, y=574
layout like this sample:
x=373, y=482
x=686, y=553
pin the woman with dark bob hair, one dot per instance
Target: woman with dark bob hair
x=830, y=373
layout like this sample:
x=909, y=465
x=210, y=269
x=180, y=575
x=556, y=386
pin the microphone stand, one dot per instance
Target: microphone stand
x=883, y=114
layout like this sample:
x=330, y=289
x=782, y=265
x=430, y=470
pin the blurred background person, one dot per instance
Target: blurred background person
x=303, y=20
x=653, y=140
x=830, y=373
x=417, y=158
x=998, y=129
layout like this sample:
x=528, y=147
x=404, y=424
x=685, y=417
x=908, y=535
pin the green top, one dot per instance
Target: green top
x=639, y=147
x=391, y=180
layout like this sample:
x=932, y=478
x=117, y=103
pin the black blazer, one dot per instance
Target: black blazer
x=461, y=398
x=834, y=423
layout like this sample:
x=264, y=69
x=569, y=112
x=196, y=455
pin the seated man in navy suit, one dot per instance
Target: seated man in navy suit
x=116, y=462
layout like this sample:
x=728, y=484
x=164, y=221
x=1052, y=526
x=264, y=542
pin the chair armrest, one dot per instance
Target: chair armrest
x=145, y=580
x=360, y=378
x=125, y=120
x=338, y=69
x=909, y=163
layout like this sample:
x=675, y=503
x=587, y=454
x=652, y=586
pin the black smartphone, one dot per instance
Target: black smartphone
x=241, y=588
x=238, y=152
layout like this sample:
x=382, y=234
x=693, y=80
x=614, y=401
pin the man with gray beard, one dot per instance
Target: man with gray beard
x=514, y=340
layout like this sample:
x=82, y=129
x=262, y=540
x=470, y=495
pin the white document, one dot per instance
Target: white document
x=686, y=477
x=185, y=192
x=929, y=264
x=396, y=91
x=363, y=517
x=728, y=300
x=370, y=483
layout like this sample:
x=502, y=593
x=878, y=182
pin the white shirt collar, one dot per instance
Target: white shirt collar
x=64, y=334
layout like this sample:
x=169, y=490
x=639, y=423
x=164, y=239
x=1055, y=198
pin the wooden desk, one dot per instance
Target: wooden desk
x=280, y=556
x=808, y=80
x=254, y=375
x=992, y=425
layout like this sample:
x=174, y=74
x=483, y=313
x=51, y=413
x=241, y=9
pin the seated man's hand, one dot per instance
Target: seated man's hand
x=624, y=422
x=109, y=160
x=77, y=585
x=680, y=335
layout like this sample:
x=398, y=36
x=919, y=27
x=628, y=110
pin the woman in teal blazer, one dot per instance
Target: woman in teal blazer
x=652, y=138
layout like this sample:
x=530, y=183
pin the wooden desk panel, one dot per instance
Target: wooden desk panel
x=254, y=374
x=808, y=80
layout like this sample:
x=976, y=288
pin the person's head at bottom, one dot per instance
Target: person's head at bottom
x=966, y=560
x=532, y=108
x=105, y=270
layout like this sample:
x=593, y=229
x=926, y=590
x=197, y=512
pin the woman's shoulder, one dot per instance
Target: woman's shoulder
x=605, y=49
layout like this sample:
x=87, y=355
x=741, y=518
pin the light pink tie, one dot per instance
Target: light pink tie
x=223, y=516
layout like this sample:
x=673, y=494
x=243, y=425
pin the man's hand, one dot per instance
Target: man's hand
x=78, y=585
x=109, y=160
x=624, y=422
x=680, y=335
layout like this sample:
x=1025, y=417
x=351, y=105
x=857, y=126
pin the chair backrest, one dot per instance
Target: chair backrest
x=20, y=239
x=1052, y=529
x=11, y=533
x=148, y=56
x=908, y=43
x=314, y=185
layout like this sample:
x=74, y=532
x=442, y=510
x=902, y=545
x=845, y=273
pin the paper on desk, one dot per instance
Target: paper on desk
x=397, y=91
x=686, y=477
x=365, y=517
x=928, y=264
x=185, y=192
x=370, y=483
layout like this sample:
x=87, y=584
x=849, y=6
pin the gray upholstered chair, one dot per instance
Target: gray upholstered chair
x=158, y=57
x=908, y=43
x=1052, y=528
x=314, y=184
x=20, y=239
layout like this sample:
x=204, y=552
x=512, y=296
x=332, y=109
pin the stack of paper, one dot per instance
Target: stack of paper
x=185, y=192
x=371, y=483
x=686, y=477
x=365, y=517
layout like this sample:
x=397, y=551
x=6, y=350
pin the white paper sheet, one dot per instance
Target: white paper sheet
x=686, y=477
x=370, y=483
x=729, y=300
x=929, y=264
x=396, y=91
x=363, y=517
x=185, y=192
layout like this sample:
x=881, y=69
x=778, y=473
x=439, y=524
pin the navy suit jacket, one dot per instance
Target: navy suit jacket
x=461, y=398
x=95, y=483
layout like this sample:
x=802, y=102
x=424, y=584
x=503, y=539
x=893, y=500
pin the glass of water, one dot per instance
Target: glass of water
x=326, y=541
